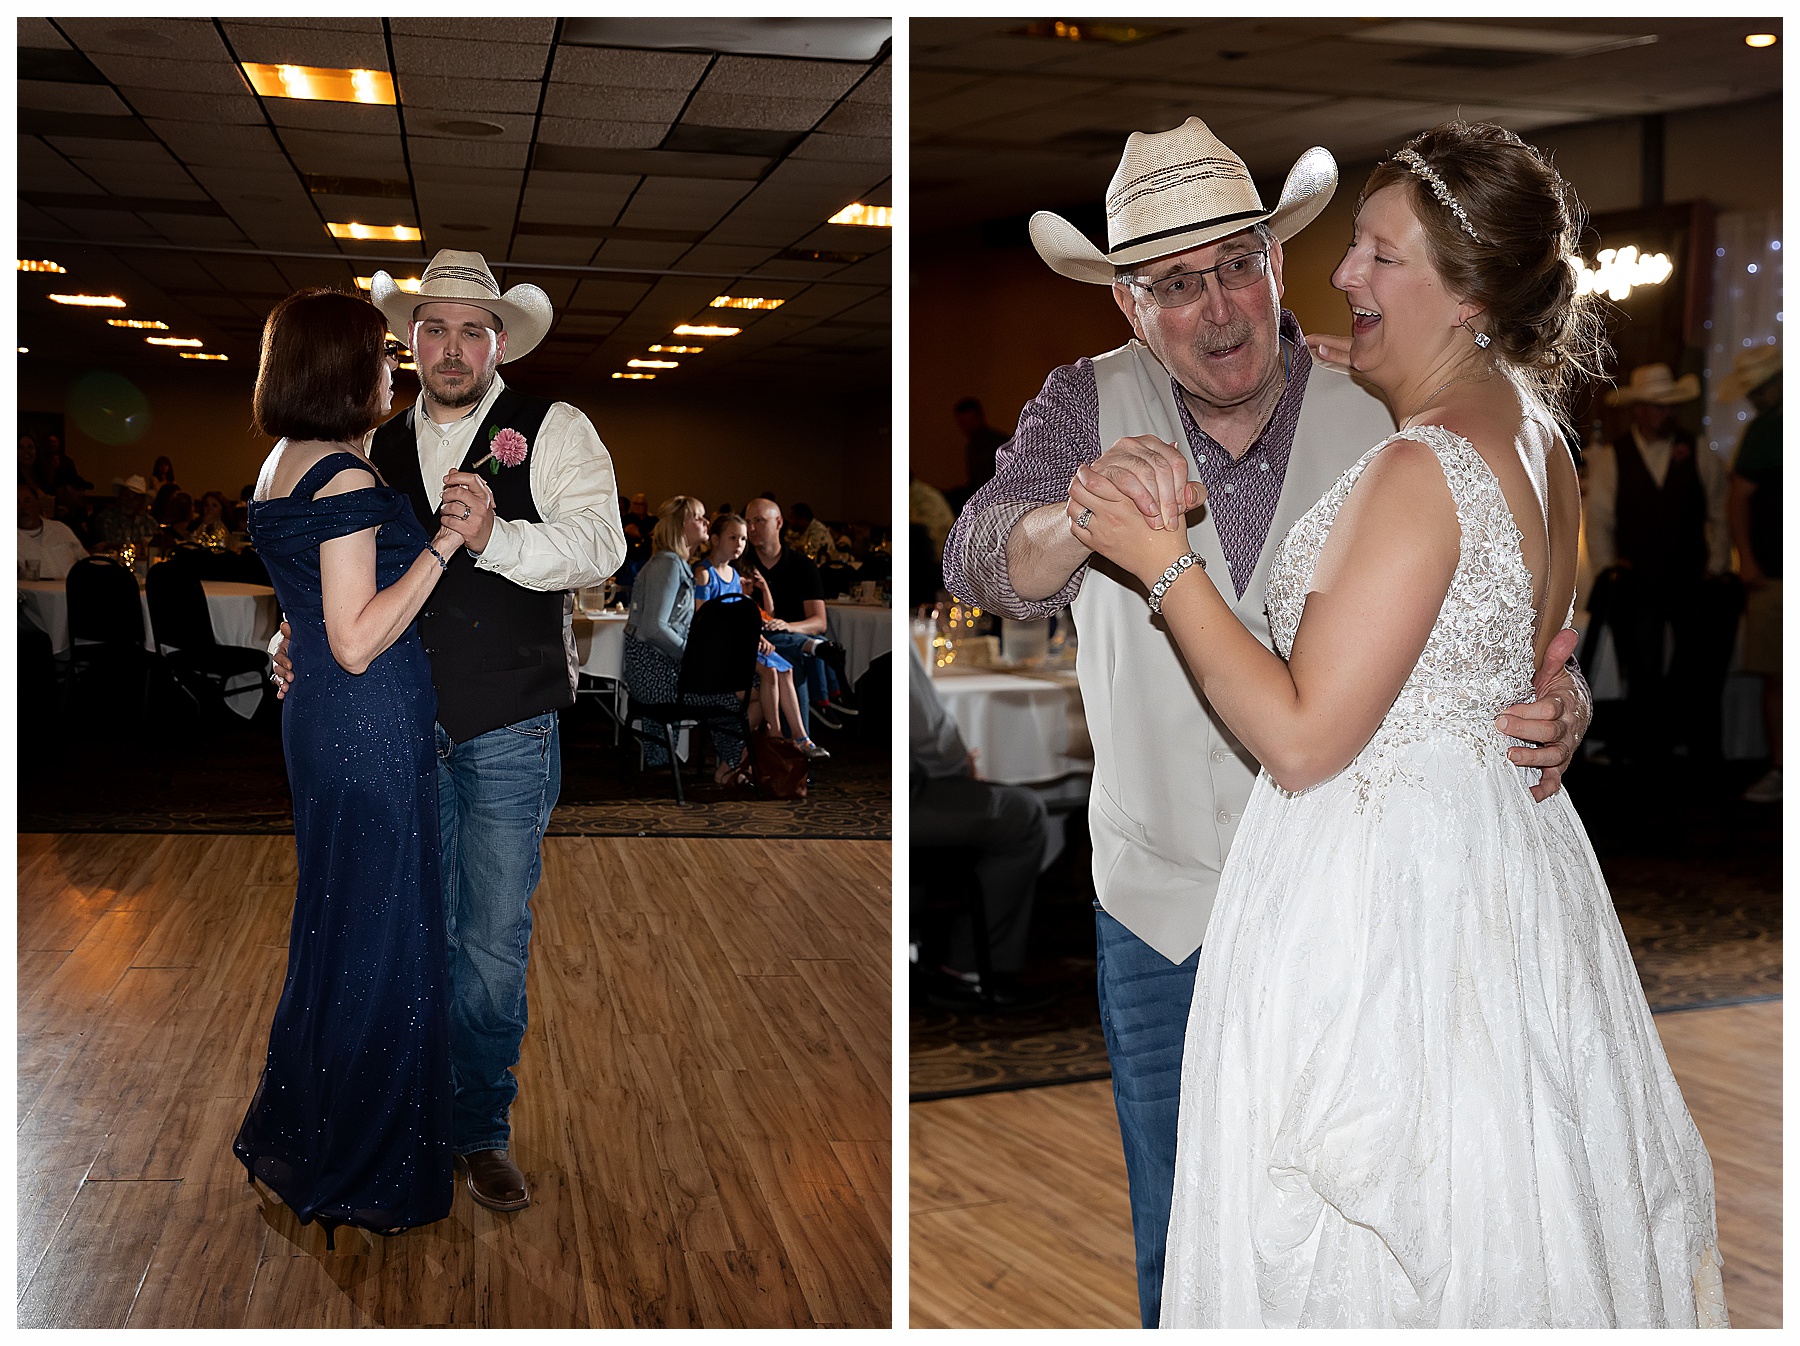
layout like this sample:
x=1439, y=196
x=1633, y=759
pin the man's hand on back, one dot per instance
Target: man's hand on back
x=1556, y=722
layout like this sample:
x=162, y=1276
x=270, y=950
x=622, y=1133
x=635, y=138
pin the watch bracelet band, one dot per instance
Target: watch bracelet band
x=1172, y=574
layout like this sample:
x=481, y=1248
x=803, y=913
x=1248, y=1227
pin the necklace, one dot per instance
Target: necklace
x=1407, y=423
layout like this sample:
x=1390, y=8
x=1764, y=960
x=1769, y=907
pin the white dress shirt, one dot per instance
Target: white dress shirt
x=1603, y=499
x=53, y=546
x=580, y=541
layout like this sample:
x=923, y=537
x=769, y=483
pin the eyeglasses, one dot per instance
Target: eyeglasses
x=1184, y=287
x=393, y=350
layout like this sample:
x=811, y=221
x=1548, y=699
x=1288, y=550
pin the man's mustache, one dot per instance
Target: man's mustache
x=1222, y=339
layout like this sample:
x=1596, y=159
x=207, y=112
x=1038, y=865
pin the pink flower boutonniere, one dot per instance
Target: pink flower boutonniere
x=506, y=448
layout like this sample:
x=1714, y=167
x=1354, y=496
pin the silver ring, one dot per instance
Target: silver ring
x=1082, y=519
x=465, y=512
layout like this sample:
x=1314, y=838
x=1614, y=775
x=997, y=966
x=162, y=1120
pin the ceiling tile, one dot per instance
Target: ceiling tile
x=860, y=119
x=142, y=72
x=684, y=203
x=208, y=143
x=183, y=38
x=103, y=223
x=521, y=29
x=89, y=99
x=588, y=102
x=334, y=49
x=307, y=114
x=846, y=149
x=416, y=57
x=470, y=97
x=598, y=207
x=877, y=88
x=602, y=134
x=550, y=248
x=475, y=153
x=730, y=108
x=40, y=33
x=628, y=69
x=337, y=152
x=237, y=109
x=773, y=78
x=515, y=128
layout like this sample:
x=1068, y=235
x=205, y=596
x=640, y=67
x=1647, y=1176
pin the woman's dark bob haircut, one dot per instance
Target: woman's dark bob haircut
x=321, y=370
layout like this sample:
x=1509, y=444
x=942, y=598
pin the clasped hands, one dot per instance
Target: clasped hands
x=468, y=509
x=1130, y=504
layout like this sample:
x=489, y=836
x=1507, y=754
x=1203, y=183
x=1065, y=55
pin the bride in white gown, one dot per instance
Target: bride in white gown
x=1422, y=1087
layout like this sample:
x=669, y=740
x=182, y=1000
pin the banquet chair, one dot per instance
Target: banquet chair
x=720, y=658
x=183, y=626
x=106, y=624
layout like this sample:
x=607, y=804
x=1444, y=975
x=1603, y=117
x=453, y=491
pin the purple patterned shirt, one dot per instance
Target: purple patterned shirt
x=1059, y=431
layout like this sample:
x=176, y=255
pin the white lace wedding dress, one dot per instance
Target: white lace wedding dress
x=1422, y=1087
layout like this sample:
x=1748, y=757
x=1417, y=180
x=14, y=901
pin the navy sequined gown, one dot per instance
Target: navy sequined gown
x=351, y=1123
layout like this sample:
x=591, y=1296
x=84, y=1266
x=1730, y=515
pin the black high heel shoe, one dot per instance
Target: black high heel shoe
x=330, y=1227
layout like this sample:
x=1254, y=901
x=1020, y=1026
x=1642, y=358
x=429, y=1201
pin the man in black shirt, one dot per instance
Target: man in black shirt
x=790, y=588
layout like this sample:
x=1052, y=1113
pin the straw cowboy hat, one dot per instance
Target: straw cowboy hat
x=1654, y=383
x=463, y=278
x=1177, y=190
x=135, y=484
x=1752, y=369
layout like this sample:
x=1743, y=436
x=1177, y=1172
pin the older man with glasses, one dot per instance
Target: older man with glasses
x=1217, y=387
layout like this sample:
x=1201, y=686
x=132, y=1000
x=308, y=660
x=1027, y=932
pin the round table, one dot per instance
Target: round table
x=242, y=614
x=1022, y=730
x=865, y=631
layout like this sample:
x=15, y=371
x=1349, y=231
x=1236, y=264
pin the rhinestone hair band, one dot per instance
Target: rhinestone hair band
x=1413, y=160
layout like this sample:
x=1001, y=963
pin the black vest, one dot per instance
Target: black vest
x=1661, y=530
x=496, y=647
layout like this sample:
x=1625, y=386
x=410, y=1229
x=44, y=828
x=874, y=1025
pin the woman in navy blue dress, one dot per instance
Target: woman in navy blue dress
x=351, y=1122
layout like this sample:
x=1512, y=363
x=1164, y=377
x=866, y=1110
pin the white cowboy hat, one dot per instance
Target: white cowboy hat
x=463, y=278
x=133, y=483
x=1655, y=384
x=1177, y=190
x=1752, y=369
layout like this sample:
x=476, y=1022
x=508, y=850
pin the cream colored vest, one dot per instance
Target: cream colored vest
x=1170, y=780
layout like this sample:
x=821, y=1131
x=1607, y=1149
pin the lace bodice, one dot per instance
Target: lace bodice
x=1478, y=659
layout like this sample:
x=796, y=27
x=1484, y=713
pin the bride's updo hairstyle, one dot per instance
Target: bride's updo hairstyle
x=1519, y=265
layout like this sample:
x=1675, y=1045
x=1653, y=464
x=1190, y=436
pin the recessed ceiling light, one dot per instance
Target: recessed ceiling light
x=876, y=217
x=679, y=350
x=379, y=233
x=24, y=350
x=174, y=341
x=408, y=283
x=89, y=300
x=1760, y=40
x=149, y=324
x=736, y=301
x=320, y=83
x=618, y=375
x=202, y=355
x=472, y=129
x=690, y=329
x=653, y=364
x=1076, y=30
x=50, y=267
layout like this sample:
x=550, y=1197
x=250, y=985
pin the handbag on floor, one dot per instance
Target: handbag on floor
x=780, y=767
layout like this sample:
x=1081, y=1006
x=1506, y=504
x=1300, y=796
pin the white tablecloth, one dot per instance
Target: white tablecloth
x=600, y=644
x=865, y=632
x=1018, y=727
x=242, y=614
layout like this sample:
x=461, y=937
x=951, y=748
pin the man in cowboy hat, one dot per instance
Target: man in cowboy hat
x=1659, y=542
x=1217, y=387
x=1754, y=508
x=530, y=487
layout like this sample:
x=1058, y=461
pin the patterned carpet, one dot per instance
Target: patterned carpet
x=222, y=774
x=1698, y=895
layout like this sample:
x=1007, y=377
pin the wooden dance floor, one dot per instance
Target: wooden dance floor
x=703, y=1113
x=1020, y=1216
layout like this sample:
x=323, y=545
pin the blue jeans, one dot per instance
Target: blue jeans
x=1144, y=1002
x=495, y=793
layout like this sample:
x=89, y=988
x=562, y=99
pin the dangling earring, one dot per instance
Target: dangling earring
x=1483, y=340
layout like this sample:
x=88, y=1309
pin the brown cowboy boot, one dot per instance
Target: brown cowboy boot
x=494, y=1180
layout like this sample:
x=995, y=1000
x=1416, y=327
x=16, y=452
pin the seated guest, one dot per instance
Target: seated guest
x=788, y=587
x=211, y=530
x=1007, y=824
x=162, y=488
x=656, y=629
x=46, y=548
x=127, y=520
x=717, y=575
x=811, y=536
x=178, y=515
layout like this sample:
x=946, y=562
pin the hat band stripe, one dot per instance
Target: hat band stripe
x=465, y=273
x=1187, y=229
